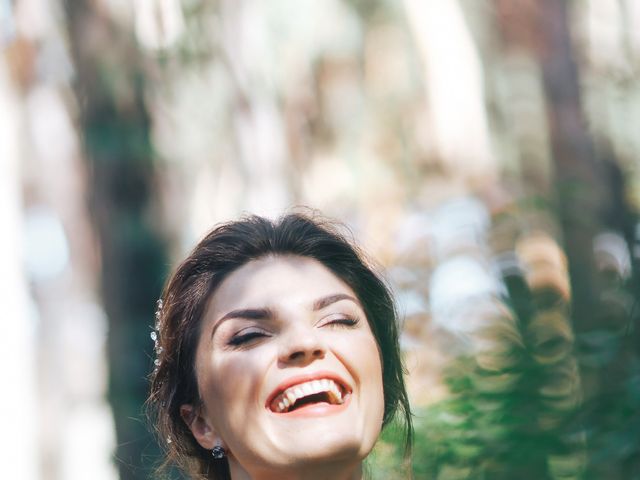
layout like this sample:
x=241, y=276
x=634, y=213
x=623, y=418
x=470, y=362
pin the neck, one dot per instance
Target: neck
x=322, y=471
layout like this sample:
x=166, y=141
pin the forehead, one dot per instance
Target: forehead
x=276, y=280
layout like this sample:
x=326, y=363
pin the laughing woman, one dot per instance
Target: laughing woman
x=277, y=354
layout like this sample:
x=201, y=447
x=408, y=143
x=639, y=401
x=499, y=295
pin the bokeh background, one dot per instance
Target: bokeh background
x=484, y=152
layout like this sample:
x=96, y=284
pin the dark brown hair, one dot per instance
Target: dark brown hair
x=223, y=250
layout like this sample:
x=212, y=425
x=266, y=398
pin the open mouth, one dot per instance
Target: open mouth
x=314, y=392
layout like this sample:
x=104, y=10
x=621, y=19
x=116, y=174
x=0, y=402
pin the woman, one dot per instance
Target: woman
x=277, y=355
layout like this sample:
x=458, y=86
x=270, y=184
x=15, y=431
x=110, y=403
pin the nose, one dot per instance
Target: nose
x=301, y=345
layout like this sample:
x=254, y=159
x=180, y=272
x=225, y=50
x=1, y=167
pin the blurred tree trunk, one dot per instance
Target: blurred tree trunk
x=582, y=192
x=114, y=124
x=585, y=199
x=540, y=29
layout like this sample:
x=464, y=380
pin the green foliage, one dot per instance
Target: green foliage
x=517, y=408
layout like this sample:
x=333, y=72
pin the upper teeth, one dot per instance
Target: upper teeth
x=287, y=398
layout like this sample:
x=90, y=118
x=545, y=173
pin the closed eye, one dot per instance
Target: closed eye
x=246, y=336
x=341, y=321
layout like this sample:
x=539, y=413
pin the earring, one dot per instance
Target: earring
x=218, y=452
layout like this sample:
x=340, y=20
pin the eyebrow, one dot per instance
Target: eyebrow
x=267, y=313
x=249, y=314
x=324, y=302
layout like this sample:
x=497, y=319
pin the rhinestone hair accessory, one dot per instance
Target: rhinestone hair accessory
x=155, y=335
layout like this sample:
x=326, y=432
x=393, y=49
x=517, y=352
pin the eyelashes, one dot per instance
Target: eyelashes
x=244, y=337
x=342, y=321
x=252, y=334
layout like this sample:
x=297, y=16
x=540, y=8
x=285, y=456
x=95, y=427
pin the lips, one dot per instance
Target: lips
x=321, y=388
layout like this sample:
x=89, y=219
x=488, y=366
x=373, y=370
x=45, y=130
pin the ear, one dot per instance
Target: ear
x=200, y=427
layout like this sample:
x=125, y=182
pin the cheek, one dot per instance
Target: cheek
x=361, y=355
x=230, y=385
x=367, y=365
x=371, y=375
x=375, y=374
x=367, y=349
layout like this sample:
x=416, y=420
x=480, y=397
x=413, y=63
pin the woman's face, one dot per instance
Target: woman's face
x=288, y=369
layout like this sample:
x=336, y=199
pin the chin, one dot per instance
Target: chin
x=326, y=443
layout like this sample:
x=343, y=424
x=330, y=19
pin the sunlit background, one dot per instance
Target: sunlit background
x=484, y=152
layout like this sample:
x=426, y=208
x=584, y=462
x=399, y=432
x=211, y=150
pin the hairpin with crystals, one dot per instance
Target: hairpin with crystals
x=155, y=334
